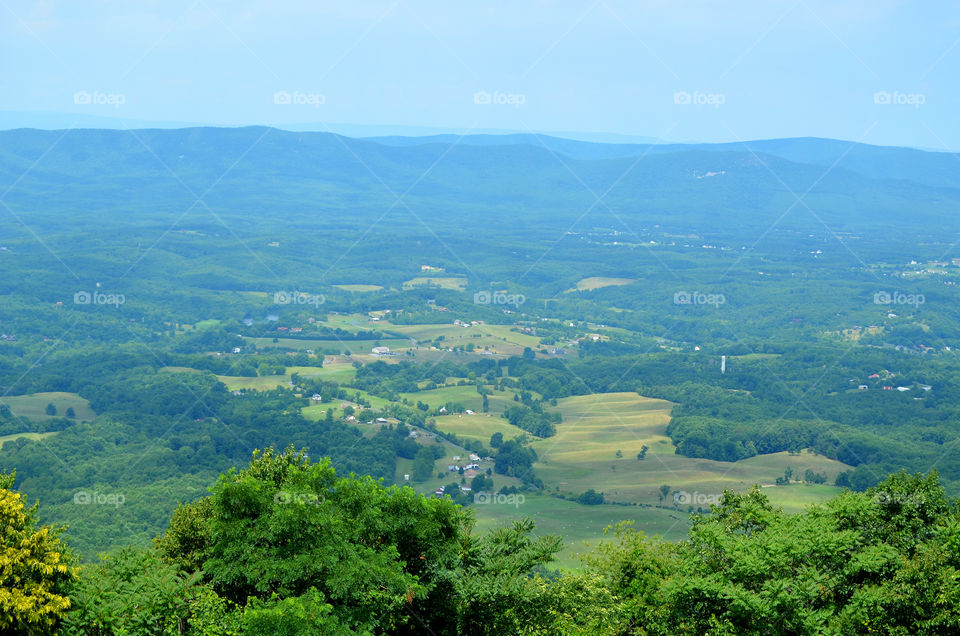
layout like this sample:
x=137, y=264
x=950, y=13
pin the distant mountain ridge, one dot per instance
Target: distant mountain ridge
x=512, y=178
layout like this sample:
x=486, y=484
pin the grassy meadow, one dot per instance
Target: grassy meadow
x=583, y=455
x=34, y=405
x=599, y=282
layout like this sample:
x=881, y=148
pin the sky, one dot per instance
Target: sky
x=876, y=71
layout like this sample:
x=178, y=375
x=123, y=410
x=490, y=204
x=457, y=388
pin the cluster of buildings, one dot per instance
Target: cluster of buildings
x=885, y=377
x=471, y=469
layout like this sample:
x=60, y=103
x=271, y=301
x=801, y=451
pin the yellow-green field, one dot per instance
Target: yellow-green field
x=598, y=282
x=34, y=406
x=465, y=395
x=497, y=338
x=580, y=526
x=353, y=346
x=359, y=288
x=341, y=372
x=583, y=455
x=317, y=411
x=31, y=436
x=444, y=282
x=477, y=427
x=265, y=383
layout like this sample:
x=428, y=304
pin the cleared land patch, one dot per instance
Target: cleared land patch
x=477, y=427
x=598, y=282
x=583, y=455
x=359, y=288
x=353, y=346
x=31, y=436
x=34, y=406
x=443, y=282
x=496, y=338
x=581, y=526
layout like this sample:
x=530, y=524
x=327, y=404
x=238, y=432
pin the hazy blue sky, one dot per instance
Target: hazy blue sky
x=872, y=70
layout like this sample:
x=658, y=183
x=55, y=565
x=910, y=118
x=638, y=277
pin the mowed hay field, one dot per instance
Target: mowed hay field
x=31, y=436
x=34, y=406
x=264, y=383
x=581, y=527
x=599, y=282
x=477, y=427
x=466, y=395
x=359, y=288
x=583, y=455
x=342, y=372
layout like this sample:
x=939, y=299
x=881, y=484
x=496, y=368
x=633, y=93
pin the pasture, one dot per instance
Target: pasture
x=583, y=455
x=34, y=405
x=466, y=395
x=341, y=372
x=360, y=288
x=327, y=344
x=477, y=427
x=580, y=526
x=31, y=436
x=599, y=282
x=264, y=383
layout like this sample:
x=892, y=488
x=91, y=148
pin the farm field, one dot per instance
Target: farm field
x=498, y=338
x=316, y=411
x=599, y=282
x=264, y=383
x=466, y=395
x=581, y=526
x=359, y=288
x=477, y=427
x=353, y=346
x=31, y=436
x=34, y=406
x=342, y=372
x=583, y=455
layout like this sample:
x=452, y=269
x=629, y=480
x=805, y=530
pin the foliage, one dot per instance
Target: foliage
x=34, y=567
